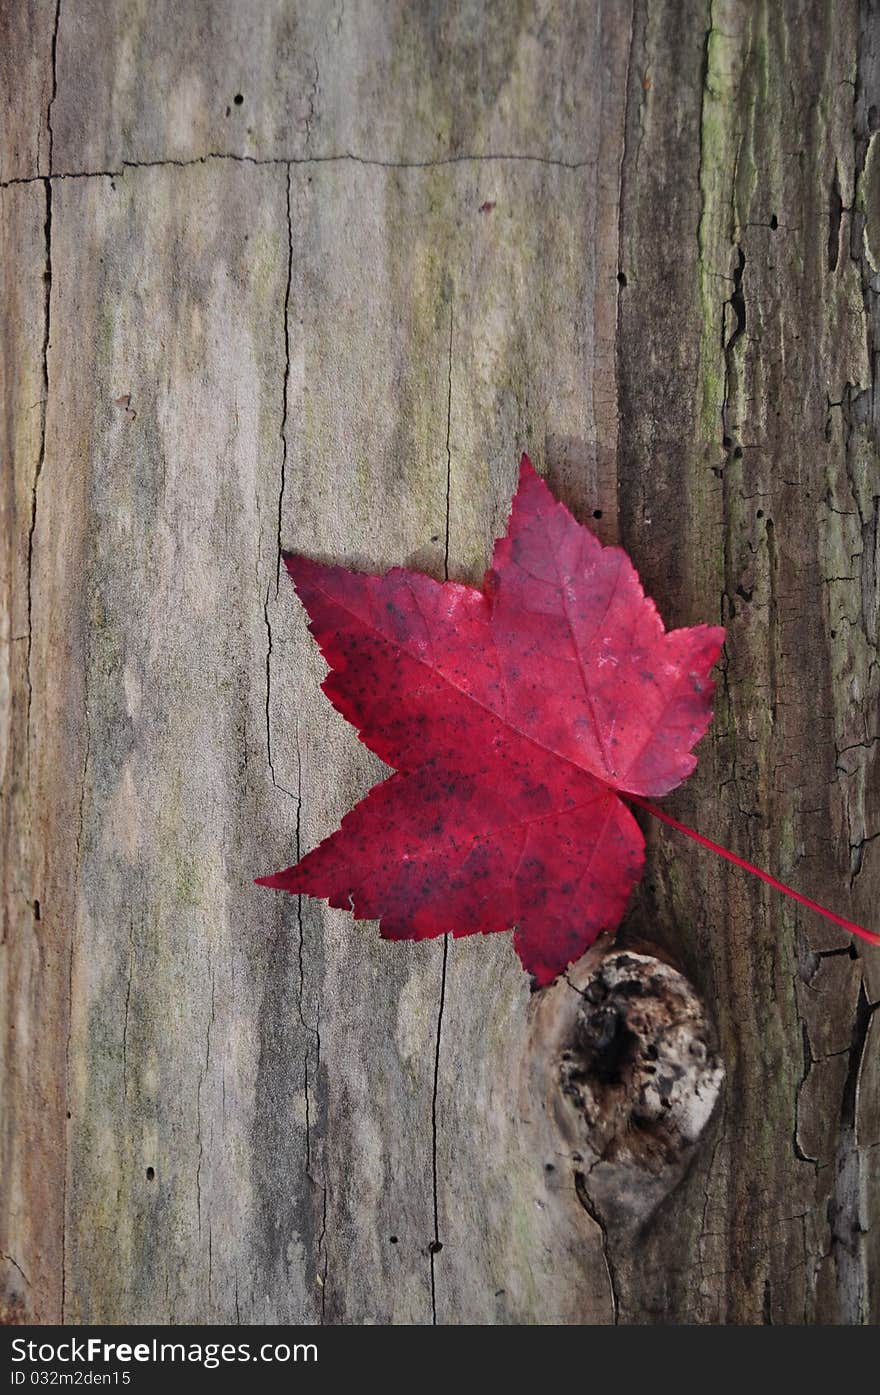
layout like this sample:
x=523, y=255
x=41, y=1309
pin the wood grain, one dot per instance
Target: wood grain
x=637, y=241
x=751, y=395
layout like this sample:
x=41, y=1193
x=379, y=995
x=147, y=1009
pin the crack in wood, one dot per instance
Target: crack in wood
x=294, y=161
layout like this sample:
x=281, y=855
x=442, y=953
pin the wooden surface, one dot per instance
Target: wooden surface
x=639, y=242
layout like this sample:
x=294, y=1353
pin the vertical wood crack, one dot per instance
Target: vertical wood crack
x=286, y=387
x=47, y=278
x=436, y=1244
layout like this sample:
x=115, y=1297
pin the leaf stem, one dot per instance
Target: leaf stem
x=869, y=935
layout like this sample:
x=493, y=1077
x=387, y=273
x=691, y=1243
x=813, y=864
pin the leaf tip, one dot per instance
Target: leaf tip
x=526, y=468
x=278, y=881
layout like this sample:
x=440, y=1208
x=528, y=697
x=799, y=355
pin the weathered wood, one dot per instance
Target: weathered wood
x=329, y=317
x=33, y=1004
x=385, y=82
x=746, y=366
x=27, y=42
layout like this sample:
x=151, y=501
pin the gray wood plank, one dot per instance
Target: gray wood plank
x=385, y=82
x=183, y=1045
x=28, y=31
x=33, y=961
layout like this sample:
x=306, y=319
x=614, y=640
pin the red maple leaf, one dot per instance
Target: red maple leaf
x=515, y=718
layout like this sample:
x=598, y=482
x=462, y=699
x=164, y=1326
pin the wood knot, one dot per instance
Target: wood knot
x=632, y=1076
